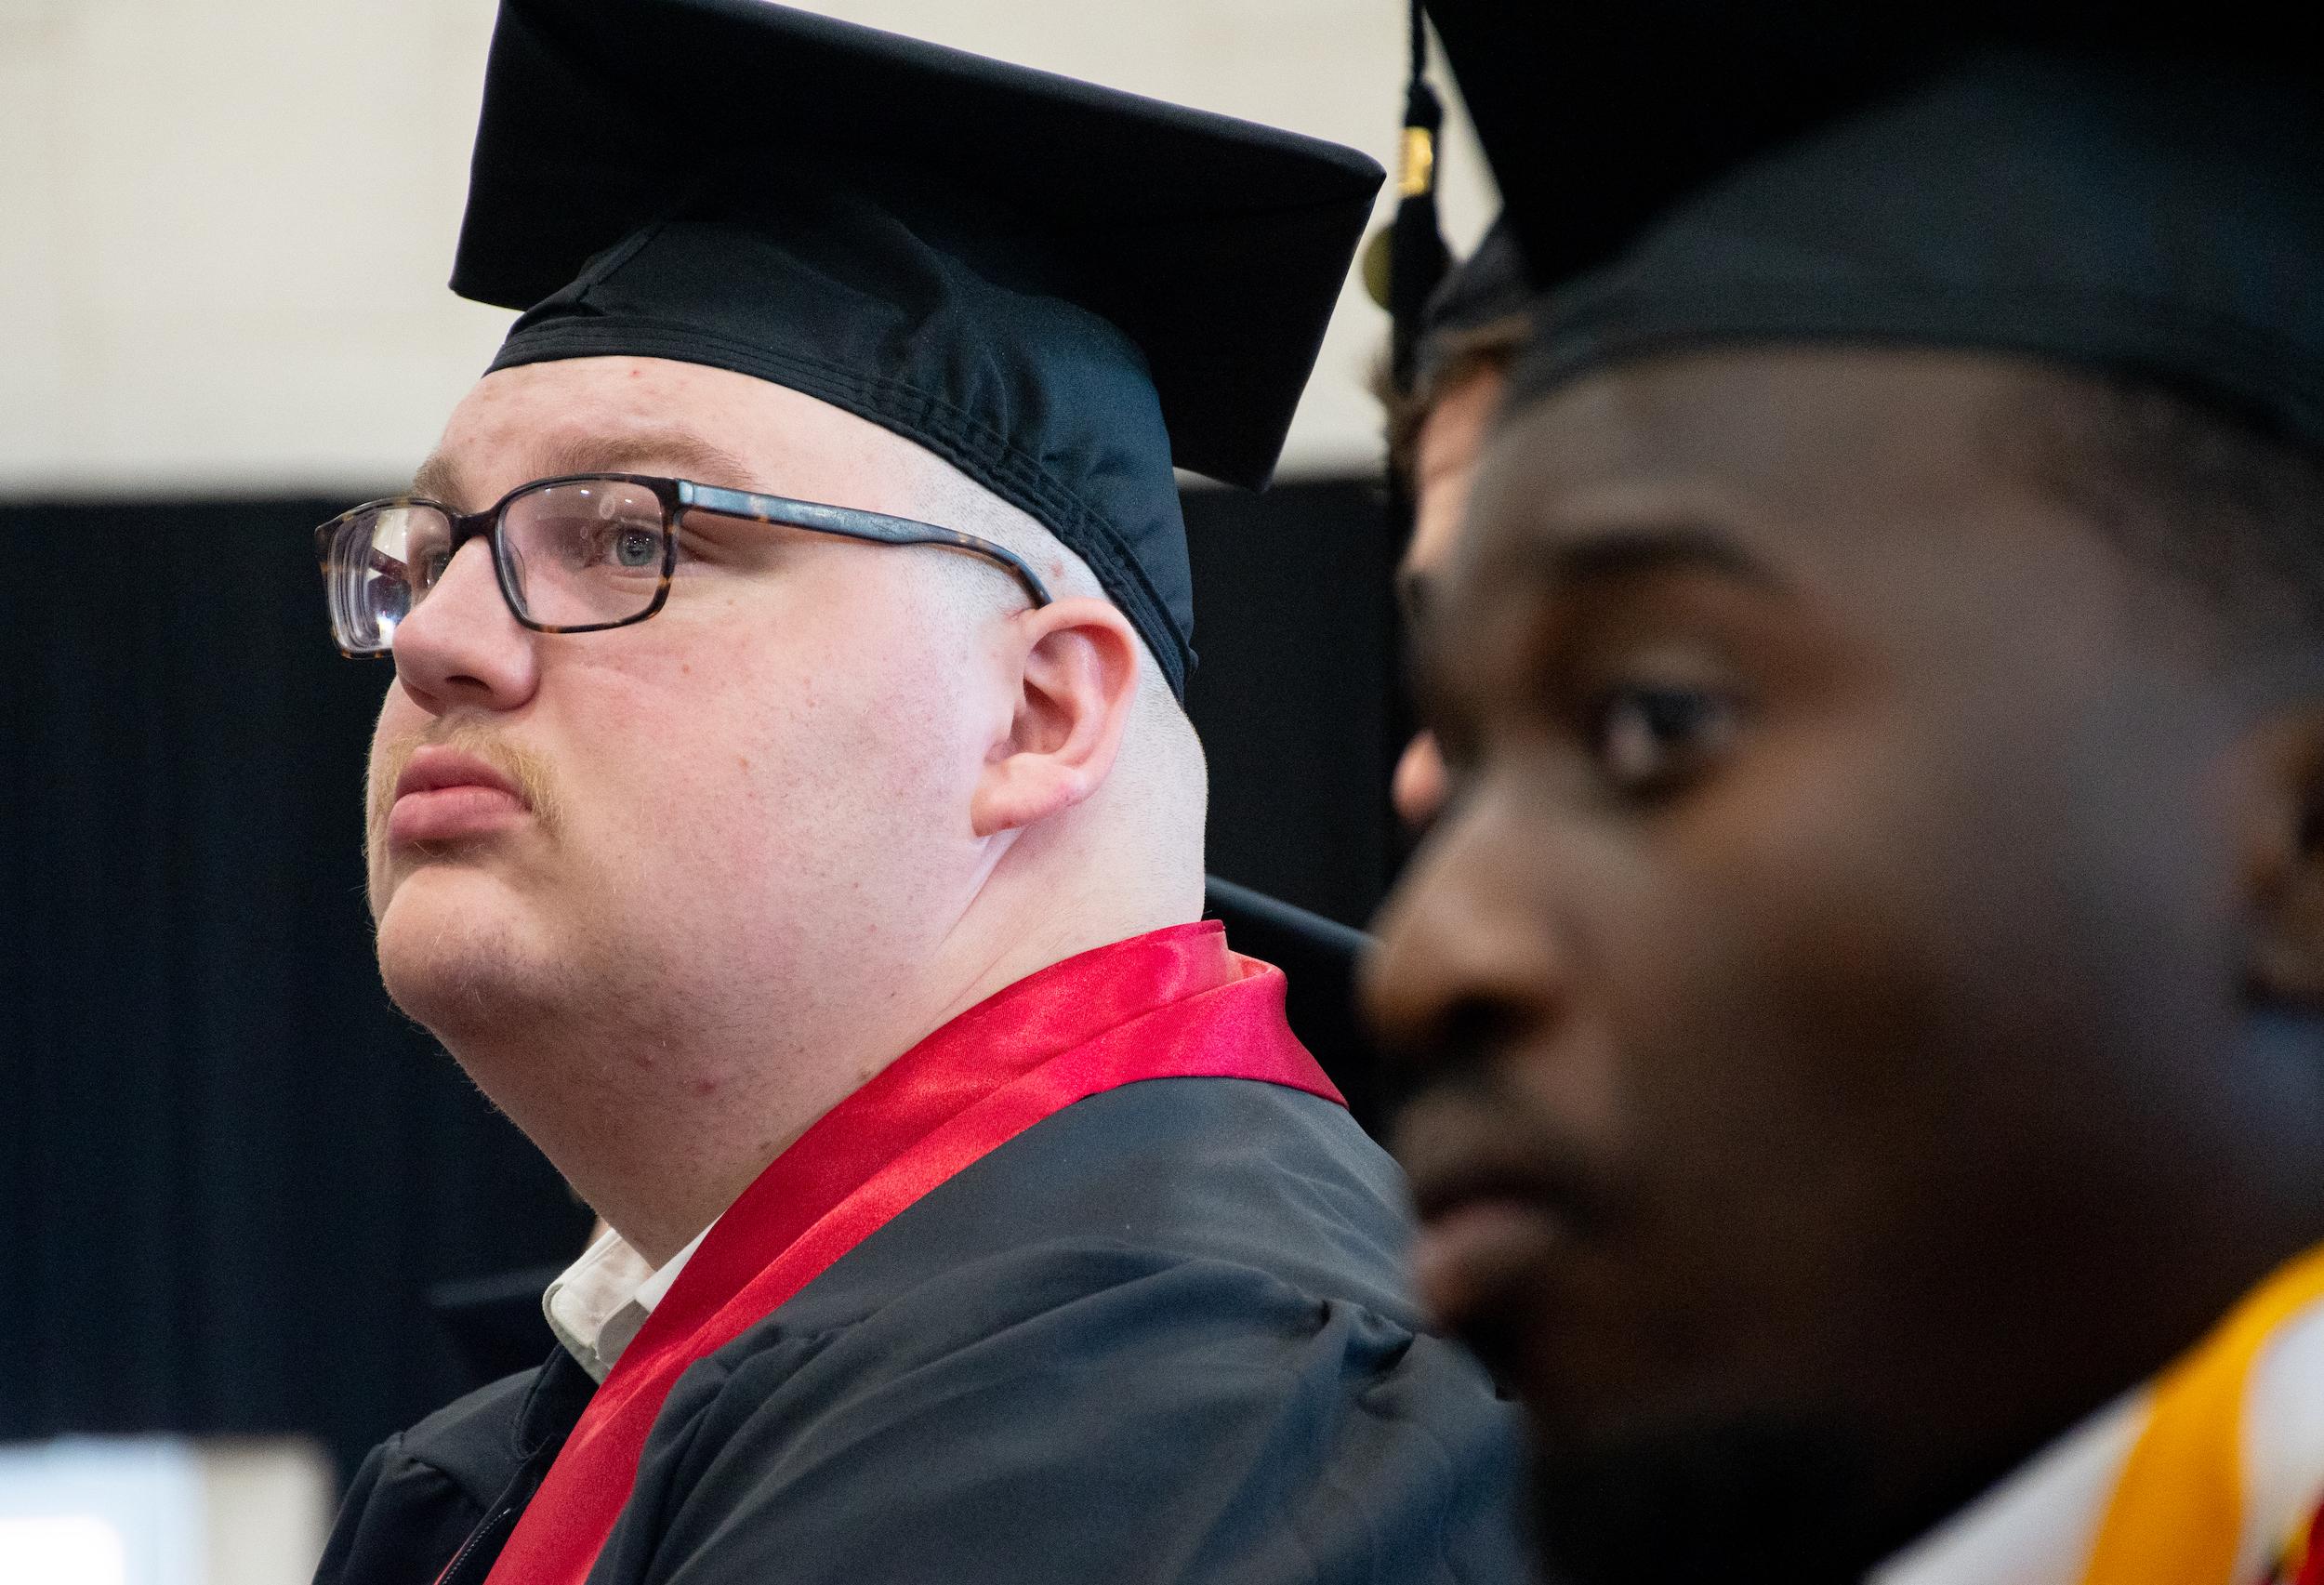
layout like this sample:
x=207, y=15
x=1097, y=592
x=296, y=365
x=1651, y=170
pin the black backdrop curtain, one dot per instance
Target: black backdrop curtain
x=229, y=1169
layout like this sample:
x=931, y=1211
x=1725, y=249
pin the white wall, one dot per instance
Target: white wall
x=163, y=1510
x=224, y=225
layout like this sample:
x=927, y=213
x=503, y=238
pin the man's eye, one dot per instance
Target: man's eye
x=638, y=548
x=1650, y=737
x=630, y=548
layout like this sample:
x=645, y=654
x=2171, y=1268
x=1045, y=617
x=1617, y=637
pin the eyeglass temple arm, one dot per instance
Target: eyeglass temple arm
x=853, y=523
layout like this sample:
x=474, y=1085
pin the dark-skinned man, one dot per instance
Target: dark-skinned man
x=1866, y=996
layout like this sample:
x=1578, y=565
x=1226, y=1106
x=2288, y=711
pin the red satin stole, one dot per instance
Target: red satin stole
x=1172, y=1004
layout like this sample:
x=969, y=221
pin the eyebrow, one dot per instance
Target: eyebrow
x=1634, y=553
x=1569, y=569
x=630, y=451
x=437, y=479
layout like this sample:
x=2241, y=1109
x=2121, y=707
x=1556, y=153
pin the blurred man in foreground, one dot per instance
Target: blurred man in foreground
x=1865, y=995
x=785, y=811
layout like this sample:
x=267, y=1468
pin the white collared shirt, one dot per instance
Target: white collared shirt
x=597, y=1305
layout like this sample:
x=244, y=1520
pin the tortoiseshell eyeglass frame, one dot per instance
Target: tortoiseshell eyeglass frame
x=675, y=496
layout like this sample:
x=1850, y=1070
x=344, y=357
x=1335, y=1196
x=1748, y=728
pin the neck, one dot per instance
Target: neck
x=2158, y=1265
x=659, y=1122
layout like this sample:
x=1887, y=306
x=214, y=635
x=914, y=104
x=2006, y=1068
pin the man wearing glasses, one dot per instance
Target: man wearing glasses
x=783, y=811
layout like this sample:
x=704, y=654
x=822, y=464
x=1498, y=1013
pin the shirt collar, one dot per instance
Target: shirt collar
x=596, y=1305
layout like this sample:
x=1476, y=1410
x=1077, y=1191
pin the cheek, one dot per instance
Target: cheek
x=1803, y=897
x=1860, y=1016
x=1736, y=944
x=1770, y=963
x=789, y=763
x=1437, y=516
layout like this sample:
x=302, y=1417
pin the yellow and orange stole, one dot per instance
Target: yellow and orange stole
x=2178, y=1513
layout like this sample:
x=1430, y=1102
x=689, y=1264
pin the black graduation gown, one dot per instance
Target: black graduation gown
x=1162, y=1335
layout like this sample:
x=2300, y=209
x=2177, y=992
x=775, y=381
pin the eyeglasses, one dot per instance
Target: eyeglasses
x=575, y=554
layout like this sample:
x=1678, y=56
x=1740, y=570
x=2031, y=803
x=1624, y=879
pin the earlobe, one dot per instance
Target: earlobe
x=1076, y=668
x=2285, y=868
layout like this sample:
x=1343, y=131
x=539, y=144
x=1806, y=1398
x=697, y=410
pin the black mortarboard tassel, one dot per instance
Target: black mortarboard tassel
x=1417, y=258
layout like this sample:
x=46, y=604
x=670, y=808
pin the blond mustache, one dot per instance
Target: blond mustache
x=528, y=772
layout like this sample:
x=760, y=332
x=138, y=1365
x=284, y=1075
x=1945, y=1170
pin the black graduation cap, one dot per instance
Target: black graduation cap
x=1060, y=289
x=2134, y=189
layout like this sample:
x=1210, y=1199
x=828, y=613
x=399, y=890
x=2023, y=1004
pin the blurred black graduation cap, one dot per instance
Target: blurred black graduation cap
x=1062, y=289
x=2132, y=189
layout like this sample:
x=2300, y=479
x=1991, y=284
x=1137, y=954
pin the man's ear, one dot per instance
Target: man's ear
x=1076, y=665
x=2285, y=865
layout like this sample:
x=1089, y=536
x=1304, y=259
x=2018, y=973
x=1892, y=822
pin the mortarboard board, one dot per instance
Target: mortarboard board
x=1062, y=289
x=2126, y=190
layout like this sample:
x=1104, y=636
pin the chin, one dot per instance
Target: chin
x=1742, y=1499
x=456, y=956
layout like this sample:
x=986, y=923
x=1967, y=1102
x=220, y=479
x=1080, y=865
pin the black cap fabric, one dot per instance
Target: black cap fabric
x=1060, y=289
x=2124, y=193
x=2129, y=221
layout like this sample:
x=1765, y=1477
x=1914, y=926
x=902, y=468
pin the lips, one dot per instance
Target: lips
x=1498, y=1215
x=1478, y=1265
x=444, y=796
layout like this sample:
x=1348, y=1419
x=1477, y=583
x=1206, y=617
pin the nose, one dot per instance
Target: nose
x=1470, y=953
x=461, y=647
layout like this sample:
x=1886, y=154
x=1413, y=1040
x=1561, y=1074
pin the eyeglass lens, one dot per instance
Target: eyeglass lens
x=578, y=554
